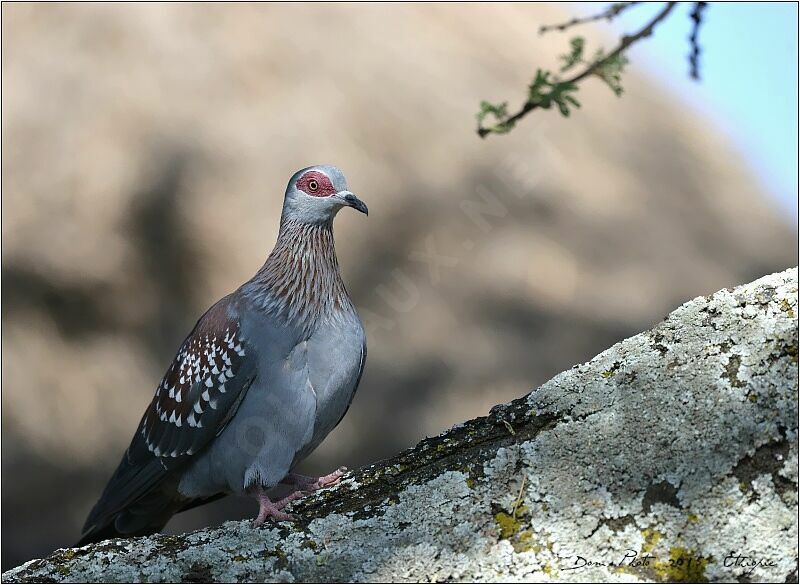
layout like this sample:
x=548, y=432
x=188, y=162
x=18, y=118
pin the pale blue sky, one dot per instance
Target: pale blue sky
x=749, y=78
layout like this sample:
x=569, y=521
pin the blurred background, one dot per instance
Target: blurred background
x=146, y=148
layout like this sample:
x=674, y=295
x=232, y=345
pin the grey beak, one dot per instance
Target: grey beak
x=352, y=201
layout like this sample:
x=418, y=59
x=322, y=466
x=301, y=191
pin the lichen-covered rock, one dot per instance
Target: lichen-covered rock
x=672, y=456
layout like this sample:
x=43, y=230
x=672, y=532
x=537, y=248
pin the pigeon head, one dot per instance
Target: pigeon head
x=315, y=194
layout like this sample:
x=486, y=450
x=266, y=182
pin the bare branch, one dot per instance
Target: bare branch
x=609, y=14
x=694, y=55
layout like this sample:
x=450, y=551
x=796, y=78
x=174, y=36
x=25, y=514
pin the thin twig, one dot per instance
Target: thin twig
x=519, y=498
x=625, y=42
x=694, y=55
x=609, y=13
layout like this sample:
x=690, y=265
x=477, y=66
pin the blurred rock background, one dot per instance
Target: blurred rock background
x=145, y=152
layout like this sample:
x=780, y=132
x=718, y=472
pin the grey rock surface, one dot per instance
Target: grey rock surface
x=677, y=446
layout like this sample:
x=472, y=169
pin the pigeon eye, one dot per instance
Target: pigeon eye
x=313, y=185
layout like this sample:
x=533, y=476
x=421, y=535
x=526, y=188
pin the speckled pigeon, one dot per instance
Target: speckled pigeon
x=264, y=376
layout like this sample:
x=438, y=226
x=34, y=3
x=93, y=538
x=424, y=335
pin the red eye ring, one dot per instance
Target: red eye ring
x=316, y=184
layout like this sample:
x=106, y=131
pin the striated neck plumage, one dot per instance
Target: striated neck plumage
x=300, y=278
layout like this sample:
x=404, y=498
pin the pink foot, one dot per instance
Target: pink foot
x=268, y=509
x=305, y=483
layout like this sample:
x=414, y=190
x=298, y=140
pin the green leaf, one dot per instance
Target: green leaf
x=499, y=111
x=500, y=114
x=539, y=90
x=610, y=70
x=575, y=55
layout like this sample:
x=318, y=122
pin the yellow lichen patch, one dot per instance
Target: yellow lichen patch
x=508, y=524
x=511, y=529
x=524, y=542
x=547, y=569
x=682, y=567
x=651, y=538
x=470, y=480
x=624, y=569
x=607, y=373
x=693, y=518
x=786, y=307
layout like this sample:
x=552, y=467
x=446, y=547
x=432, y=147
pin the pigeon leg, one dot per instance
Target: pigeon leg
x=303, y=485
x=306, y=483
x=269, y=509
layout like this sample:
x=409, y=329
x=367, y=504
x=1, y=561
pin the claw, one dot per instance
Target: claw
x=268, y=509
x=308, y=484
x=331, y=479
x=265, y=513
x=303, y=486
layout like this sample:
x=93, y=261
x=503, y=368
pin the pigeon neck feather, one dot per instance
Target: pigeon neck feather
x=300, y=279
